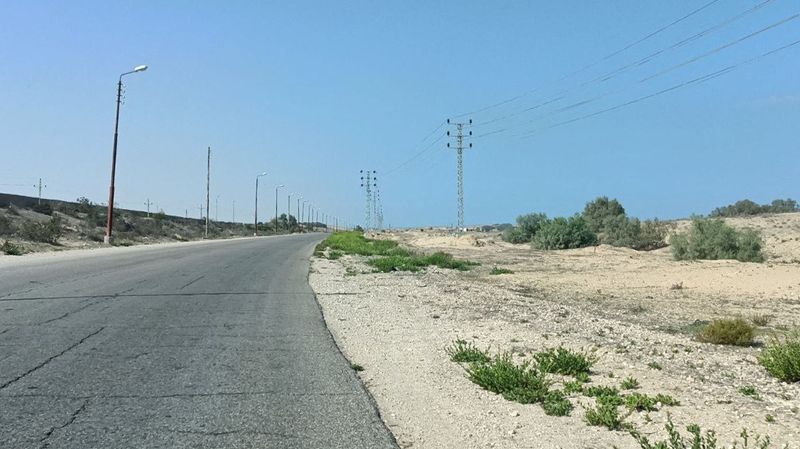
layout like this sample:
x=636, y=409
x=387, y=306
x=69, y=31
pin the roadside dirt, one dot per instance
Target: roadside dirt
x=622, y=305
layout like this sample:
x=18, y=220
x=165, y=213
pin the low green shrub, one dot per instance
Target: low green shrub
x=463, y=352
x=6, y=226
x=601, y=213
x=496, y=271
x=747, y=207
x=712, y=239
x=563, y=361
x=629, y=383
x=11, y=249
x=527, y=226
x=605, y=415
x=556, y=403
x=518, y=383
x=46, y=232
x=44, y=208
x=736, y=332
x=697, y=439
x=564, y=233
x=352, y=242
x=413, y=262
x=781, y=358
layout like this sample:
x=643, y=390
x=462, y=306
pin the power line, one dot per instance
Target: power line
x=643, y=80
x=643, y=61
x=701, y=79
x=598, y=61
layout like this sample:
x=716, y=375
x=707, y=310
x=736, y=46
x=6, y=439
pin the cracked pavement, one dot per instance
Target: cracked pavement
x=210, y=345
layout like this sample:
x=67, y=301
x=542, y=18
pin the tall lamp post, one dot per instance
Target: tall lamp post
x=297, y=217
x=255, y=220
x=110, y=214
x=288, y=211
x=303, y=211
x=276, y=206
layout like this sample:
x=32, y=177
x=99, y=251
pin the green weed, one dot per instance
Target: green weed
x=564, y=361
x=463, y=352
x=737, y=332
x=629, y=383
x=518, y=383
x=781, y=358
x=496, y=271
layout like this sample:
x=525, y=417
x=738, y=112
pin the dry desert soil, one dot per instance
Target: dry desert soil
x=637, y=312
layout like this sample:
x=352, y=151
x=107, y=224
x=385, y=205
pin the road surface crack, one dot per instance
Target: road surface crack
x=50, y=359
x=191, y=282
x=69, y=422
x=70, y=312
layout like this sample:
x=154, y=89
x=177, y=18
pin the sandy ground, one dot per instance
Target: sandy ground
x=618, y=303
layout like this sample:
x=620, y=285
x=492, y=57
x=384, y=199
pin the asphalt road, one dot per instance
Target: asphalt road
x=212, y=345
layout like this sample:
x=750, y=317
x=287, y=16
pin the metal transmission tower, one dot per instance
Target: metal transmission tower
x=368, y=181
x=377, y=207
x=460, y=162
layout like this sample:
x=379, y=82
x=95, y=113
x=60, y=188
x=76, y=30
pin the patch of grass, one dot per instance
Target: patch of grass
x=353, y=242
x=335, y=254
x=463, y=352
x=518, y=383
x=564, y=361
x=735, y=332
x=697, y=439
x=640, y=402
x=45, y=232
x=356, y=367
x=750, y=391
x=781, y=358
x=604, y=395
x=415, y=262
x=573, y=387
x=629, y=383
x=769, y=418
x=11, y=249
x=655, y=365
x=678, y=286
x=666, y=399
x=495, y=271
x=760, y=319
x=605, y=415
x=556, y=404
x=582, y=377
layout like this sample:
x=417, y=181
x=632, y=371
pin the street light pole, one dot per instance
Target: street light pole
x=255, y=220
x=110, y=214
x=276, y=206
x=288, y=210
x=298, y=212
x=303, y=211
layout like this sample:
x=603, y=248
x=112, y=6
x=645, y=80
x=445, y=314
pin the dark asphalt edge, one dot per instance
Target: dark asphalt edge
x=371, y=399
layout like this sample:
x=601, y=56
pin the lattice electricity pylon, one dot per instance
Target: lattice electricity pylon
x=460, y=165
x=368, y=182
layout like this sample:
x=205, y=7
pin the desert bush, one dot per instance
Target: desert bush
x=44, y=208
x=781, y=358
x=556, y=403
x=698, y=439
x=563, y=361
x=497, y=271
x=748, y=207
x=605, y=415
x=518, y=383
x=736, y=332
x=414, y=262
x=463, y=352
x=6, y=226
x=11, y=249
x=712, y=239
x=527, y=226
x=46, y=232
x=601, y=212
x=564, y=233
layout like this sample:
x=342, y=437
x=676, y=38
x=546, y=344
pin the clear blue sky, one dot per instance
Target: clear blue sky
x=314, y=91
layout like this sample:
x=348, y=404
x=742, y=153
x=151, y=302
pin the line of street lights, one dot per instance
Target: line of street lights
x=110, y=214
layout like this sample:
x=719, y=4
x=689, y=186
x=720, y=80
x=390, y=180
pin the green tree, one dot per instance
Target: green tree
x=602, y=212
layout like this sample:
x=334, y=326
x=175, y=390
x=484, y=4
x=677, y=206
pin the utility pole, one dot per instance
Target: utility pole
x=288, y=210
x=208, y=189
x=233, y=215
x=40, y=190
x=368, y=181
x=186, y=213
x=276, y=207
x=148, y=204
x=460, y=166
x=298, y=213
x=201, y=211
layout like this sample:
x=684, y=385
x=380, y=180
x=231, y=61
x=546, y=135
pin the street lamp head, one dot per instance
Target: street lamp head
x=140, y=68
x=279, y=186
x=262, y=174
